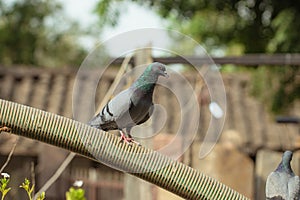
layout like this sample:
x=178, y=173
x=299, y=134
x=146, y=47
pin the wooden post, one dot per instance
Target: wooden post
x=135, y=188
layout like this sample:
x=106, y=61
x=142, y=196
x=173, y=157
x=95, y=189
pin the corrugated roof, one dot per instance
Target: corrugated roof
x=52, y=90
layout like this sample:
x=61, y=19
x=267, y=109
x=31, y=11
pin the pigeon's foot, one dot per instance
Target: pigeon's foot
x=128, y=140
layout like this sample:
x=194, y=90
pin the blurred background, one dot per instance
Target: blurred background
x=255, y=42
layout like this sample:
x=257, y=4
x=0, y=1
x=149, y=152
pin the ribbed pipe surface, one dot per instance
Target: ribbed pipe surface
x=105, y=148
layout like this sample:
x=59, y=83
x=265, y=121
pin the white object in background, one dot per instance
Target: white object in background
x=216, y=110
x=78, y=183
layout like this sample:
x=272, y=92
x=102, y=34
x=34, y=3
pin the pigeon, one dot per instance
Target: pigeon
x=283, y=183
x=132, y=106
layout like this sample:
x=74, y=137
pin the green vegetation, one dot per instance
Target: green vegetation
x=75, y=194
x=26, y=186
x=259, y=26
x=72, y=194
x=4, y=189
x=34, y=32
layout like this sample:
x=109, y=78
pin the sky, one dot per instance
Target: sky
x=134, y=17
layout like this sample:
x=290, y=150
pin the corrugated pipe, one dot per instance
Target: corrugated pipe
x=106, y=148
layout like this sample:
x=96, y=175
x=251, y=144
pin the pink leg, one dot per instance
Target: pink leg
x=128, y=140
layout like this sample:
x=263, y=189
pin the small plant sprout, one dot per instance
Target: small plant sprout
x=26, y=186
x=3, y=185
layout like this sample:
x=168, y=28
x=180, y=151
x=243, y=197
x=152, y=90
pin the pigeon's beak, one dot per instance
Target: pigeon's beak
x=165, y=74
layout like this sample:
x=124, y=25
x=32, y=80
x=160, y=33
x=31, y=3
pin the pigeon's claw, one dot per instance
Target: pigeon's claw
x=135, y=142
x=124, y=138
x=128, y=140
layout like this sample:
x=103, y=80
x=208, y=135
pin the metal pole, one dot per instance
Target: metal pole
x=105, y=148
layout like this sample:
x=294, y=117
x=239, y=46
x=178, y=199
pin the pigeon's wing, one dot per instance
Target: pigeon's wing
x=276, y=186
x=113, y=111
x=294, y=188
x=118, y=106
x=147, y=116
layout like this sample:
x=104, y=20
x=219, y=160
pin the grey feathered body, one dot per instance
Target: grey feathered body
x=283, y=183
x=132, y=106
x=129, y=108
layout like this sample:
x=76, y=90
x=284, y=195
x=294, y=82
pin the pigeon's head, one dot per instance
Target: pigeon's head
x=158, y=69
x=151, y=74
x=287, y=156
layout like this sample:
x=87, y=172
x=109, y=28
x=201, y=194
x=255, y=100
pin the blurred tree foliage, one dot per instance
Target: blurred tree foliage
x=34, y=32
x=254, y=26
